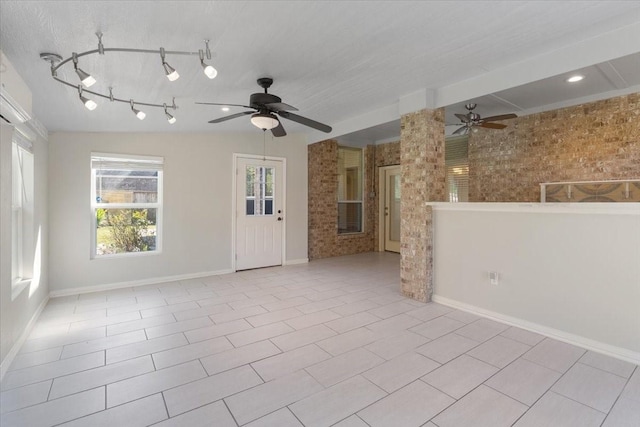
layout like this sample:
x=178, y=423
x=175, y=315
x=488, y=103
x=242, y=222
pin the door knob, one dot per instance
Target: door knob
x=279, y=218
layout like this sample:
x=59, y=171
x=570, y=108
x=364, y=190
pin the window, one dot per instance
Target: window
x=259, y=192
x=349, y=190
x=22, y=210
x=126, y=204
x=457, y=163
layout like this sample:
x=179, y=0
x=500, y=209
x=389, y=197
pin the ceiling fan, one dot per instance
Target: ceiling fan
x=471, y=120
x=264, y=107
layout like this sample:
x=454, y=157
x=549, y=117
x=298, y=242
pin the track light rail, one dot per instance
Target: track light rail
x=86, y=80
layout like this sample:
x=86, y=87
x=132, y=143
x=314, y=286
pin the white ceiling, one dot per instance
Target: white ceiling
x=352, y=65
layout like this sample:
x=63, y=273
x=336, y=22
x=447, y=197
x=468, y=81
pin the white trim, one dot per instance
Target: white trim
x=623, y=208
x=569, y=338
x=133, y=283
x=296, y=261
x=614, y=181
x=4, y=366
x=234, y=200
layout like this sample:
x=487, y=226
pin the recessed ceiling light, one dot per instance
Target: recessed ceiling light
x=225, y=108
x=575, y=78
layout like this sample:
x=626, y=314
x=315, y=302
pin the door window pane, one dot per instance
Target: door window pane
x=259, y=190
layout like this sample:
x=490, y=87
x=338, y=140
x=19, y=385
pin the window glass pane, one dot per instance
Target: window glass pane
x=250, y=180
x=457, y=164
x=349, y=217
x=349, y=174
x=250, y=207
x=350, y=189
x=125, y=230
x=268, y=206
x=122, y=186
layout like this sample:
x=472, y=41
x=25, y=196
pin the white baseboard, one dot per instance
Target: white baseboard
x=132, y=283
x=296, y=261
x=4, y=366
x=580, y=341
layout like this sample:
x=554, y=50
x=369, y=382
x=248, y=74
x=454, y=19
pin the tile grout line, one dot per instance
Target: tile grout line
x=619, y=395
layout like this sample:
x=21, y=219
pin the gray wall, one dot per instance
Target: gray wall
x=196, y=230
x=571, y=271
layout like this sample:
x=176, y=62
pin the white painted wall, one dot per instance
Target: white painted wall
x=16, y=314
x=569, y=270
x=197, y=204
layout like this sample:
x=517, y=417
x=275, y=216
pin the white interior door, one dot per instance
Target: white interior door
x=392, y=209
x=259, y=212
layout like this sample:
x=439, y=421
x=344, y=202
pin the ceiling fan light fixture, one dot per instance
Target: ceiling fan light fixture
x=264, y=121
x=575, y=79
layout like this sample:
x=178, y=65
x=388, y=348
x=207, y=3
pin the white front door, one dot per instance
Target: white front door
x=259, y=212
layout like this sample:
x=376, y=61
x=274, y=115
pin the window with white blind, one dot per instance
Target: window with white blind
x=22, y=210
x=126, y=204
x=457, y=163
x=350, y=184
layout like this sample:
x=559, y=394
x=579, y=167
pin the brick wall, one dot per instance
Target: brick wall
x=324, y=240
x=423, y=180
x=595, y=141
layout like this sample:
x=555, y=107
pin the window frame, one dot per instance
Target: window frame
x=22, y=228
x=127, y=159
x=351, y=201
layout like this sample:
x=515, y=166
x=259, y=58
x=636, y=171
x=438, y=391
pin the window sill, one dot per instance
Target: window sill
x=18, y=286
x=355, y=234
x=125, y=255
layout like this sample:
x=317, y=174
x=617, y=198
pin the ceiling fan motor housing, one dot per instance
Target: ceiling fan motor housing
x=258, y=100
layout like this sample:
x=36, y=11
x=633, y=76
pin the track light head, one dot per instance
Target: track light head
x=171, y=72
x=139, y=114
x=86, y=78
x=209, y=71
x=90, y=104
x=170, y=118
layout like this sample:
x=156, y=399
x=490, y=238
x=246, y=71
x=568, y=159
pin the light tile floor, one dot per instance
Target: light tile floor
x=327, y=343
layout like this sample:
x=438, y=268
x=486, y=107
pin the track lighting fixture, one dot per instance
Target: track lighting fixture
x=139, y=114
x=171, y=72
x=88, y=80
x=209, y=71
x=89, y=103
x=170, y=118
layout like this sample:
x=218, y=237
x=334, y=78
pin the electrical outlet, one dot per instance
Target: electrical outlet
x=494, y=277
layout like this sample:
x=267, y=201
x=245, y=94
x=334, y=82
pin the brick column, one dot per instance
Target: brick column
x=422, y=181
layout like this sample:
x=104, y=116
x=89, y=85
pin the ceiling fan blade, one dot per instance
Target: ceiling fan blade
x=462, y=117
x=460, y=131
x=233, y=116
x=305, y=121
x=498, y=118
x=280, y=106
x=492, y=125
x=278, y=130
x=222, y=105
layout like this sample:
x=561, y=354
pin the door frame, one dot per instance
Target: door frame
x=234, y=200
x=382, y=184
